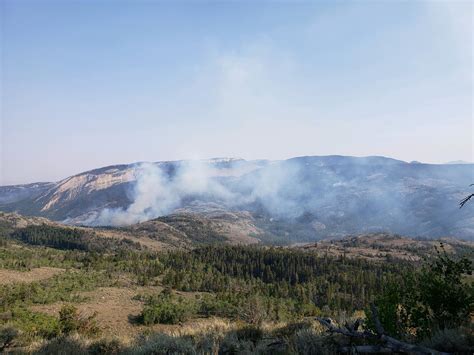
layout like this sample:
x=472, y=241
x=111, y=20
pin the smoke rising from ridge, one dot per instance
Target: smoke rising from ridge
x=337, y=195
x=158, y=191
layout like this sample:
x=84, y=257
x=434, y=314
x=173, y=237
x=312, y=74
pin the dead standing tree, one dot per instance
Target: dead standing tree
x=386, y=344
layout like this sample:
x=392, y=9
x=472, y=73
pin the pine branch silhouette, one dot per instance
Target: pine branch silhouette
x=466, y=199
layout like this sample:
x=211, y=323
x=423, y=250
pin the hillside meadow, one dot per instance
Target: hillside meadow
x=67, y=291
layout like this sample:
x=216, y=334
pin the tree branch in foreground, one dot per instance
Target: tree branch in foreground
x=389, y=344
x=464, y=200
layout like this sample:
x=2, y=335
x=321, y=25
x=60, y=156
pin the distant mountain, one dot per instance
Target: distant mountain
x=459, y=162
x=299, y=199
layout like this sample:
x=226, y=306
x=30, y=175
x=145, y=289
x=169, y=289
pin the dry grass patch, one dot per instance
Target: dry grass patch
x=38, y=274
x=114, y=308
x=201, y=326
x=118, y=308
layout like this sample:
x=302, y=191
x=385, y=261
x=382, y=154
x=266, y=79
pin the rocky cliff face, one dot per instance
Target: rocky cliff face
x=303, y=198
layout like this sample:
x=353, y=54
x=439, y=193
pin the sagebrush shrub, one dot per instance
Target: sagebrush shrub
x=106, y=346
x=7, y=337
x=163, y=344
x=64, y=345
x=71, y=321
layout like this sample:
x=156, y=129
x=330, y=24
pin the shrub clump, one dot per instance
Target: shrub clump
x=63, y=345
x=7, y=337
x=163, y=344
x=167, y=309
x=70, y=321
x=435, y=299
x=106, y=346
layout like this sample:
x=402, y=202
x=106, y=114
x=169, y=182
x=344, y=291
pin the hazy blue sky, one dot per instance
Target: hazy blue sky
x=92, y=83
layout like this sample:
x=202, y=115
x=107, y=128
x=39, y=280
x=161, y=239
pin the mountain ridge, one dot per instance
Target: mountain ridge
x=338, y=194
x=220, y=159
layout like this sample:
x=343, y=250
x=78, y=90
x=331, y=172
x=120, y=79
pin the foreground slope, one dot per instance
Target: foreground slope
x=215, y=297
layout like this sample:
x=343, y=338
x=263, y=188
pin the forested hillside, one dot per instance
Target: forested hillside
x=71, y=289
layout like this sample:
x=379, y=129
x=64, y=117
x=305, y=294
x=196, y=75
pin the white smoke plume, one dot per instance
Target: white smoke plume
x=156, y=193
x=342, y=194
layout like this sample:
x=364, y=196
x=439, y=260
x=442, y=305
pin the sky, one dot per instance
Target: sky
x=86, y=84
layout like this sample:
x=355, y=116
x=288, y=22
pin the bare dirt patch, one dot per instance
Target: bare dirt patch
x=38, y=274
x=114, y=308
x=117, y=310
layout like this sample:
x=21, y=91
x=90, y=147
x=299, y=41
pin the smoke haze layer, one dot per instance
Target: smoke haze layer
x=314, y=196
x=332, y=194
